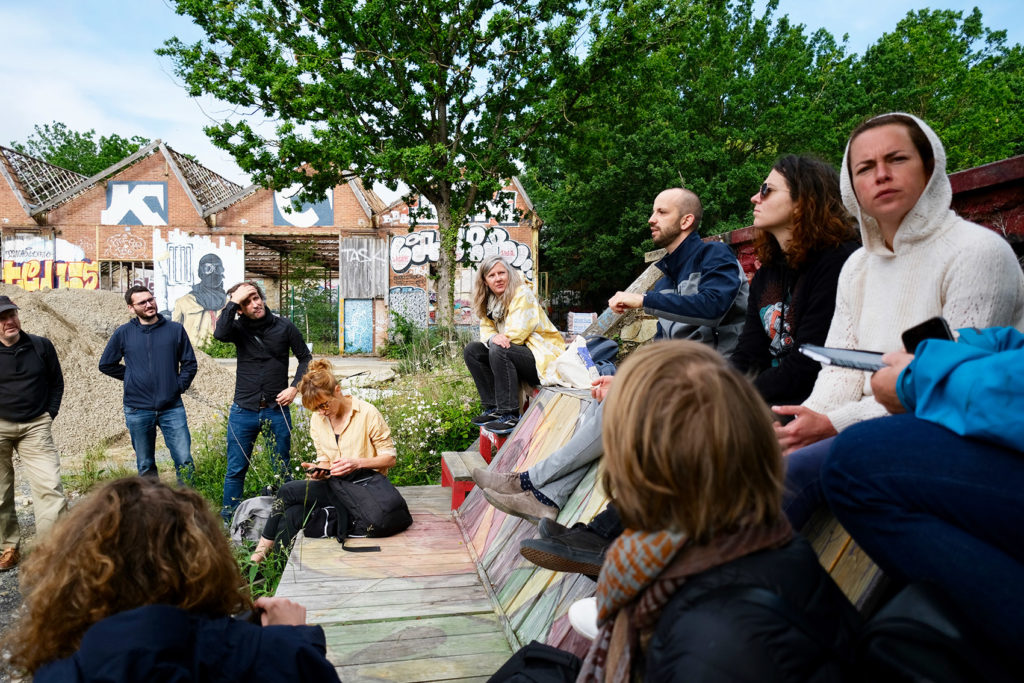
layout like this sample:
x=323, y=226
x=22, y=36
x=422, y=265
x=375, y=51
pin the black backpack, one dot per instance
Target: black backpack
x=375, y=507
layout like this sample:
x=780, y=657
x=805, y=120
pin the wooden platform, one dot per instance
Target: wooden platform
x=416, y=611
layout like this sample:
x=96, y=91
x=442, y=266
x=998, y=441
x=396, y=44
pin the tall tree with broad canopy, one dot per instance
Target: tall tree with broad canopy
x=439, y=94
x=721, y=92
x=57, y=144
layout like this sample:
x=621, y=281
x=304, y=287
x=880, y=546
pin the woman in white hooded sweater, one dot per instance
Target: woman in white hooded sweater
x=919, y=260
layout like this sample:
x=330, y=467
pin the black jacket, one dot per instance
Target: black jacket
x=262, y=369
x=159, y=364
x=163, y=643
x=708, y=632
x=807, y=300
x=32, y=381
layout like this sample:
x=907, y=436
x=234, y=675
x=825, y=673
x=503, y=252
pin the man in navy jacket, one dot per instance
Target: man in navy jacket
x=159, y=365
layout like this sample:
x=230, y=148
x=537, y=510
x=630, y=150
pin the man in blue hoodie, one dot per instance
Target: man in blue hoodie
x=159, y=365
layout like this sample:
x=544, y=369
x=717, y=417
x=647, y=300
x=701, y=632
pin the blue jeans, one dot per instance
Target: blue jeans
x=243, y=428
x=928, y=505
x=173, y=425
x=802, y=494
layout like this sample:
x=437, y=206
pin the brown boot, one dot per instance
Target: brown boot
x=9, y=559
x=523, y=504
x=502, y=482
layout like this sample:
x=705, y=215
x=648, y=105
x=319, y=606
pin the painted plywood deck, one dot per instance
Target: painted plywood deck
x=416, y=611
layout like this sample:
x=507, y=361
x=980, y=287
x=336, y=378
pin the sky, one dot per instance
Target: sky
x=91, y=64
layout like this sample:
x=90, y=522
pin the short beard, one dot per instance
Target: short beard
x=148, y=319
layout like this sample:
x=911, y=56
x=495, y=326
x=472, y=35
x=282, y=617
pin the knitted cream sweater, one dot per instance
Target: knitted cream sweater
x=940, y=264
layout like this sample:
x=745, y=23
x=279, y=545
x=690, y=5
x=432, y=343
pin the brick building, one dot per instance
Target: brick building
x=162, y=220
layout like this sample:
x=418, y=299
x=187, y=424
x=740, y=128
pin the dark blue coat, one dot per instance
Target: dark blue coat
x=159, y=364
x=703, y=295
x=161, y=643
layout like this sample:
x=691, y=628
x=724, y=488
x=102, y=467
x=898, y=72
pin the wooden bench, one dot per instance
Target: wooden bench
x=456, y=472
x=416, y=611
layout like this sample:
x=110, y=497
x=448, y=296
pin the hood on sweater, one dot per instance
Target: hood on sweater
x=925, y=220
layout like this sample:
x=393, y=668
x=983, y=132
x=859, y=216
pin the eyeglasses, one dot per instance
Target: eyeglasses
x=322, y=406
x=765, y=190
x=147, y=302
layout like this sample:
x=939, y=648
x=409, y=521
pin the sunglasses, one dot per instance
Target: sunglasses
x=765, y=190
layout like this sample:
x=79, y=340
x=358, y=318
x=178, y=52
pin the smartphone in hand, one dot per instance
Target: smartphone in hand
x=316, y=470
x=933, y=328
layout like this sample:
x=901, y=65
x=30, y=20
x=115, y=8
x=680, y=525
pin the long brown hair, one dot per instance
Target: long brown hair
x=689, y=444
x=481, y=290
x=820, y=220
x=318, y=383
x=132, y=542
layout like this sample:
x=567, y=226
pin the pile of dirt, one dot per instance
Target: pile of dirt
x=79, y=323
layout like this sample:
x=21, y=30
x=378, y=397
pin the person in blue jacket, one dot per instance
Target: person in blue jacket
x=933, y=493
x=138, y=583
x=159, y=366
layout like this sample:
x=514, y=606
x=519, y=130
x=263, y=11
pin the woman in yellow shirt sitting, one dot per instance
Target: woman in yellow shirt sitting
x=517, y=341
x=348, y=434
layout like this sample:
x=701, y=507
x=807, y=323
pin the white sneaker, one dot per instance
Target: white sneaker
x=583, y=617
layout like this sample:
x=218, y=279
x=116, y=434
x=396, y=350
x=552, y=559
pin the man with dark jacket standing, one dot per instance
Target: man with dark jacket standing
x=30, y=396
x=159, y=365
x=262, y=392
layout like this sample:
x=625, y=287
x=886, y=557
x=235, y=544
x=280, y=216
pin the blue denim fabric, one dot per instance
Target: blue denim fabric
x=802, y=494
x=928, y=505
x=243, y=428
x=173, y=425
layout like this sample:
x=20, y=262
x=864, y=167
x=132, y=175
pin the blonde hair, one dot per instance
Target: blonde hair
x=318, y=383
x=132, y=542
x=689, y=444
x=481, y=291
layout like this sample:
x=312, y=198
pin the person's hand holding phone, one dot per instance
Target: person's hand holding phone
x=316, y=472
x=883, y=382
x=343, y=466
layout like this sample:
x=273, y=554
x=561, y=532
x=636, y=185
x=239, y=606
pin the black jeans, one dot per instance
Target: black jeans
x=497, y=373
x=294, y=502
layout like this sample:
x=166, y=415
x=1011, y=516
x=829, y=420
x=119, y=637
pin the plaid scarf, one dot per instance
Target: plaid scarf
x=641, y=573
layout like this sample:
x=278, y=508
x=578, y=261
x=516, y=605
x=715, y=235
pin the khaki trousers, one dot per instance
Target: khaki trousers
x=34, y=443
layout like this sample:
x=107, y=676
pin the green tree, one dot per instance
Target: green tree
x=956, y=74
x=439, y=94
x=79, y=152
x=719, y=94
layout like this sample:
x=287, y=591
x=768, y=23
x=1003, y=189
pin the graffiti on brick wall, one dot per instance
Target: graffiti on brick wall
x=411, y=303
x=124, y=246
x=476, y=242
x=135, y=203
x=289, y=211
x=501, y=209
x=35, y=275
x=34, y=262
x=191, y=275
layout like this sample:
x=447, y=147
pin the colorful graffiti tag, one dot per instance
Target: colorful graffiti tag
x=34, y=262
x=476, y=242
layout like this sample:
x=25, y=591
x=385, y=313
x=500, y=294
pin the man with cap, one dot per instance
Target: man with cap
x=30, y=396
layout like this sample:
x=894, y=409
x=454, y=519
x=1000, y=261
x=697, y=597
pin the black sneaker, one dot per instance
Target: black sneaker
x=578, y=550
x=503, y=424
x=484, y=417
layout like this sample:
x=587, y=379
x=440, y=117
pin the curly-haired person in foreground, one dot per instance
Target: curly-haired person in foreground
x=137, y=583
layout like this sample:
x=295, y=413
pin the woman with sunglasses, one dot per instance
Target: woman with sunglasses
x=348, y=434
x=803, y=238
